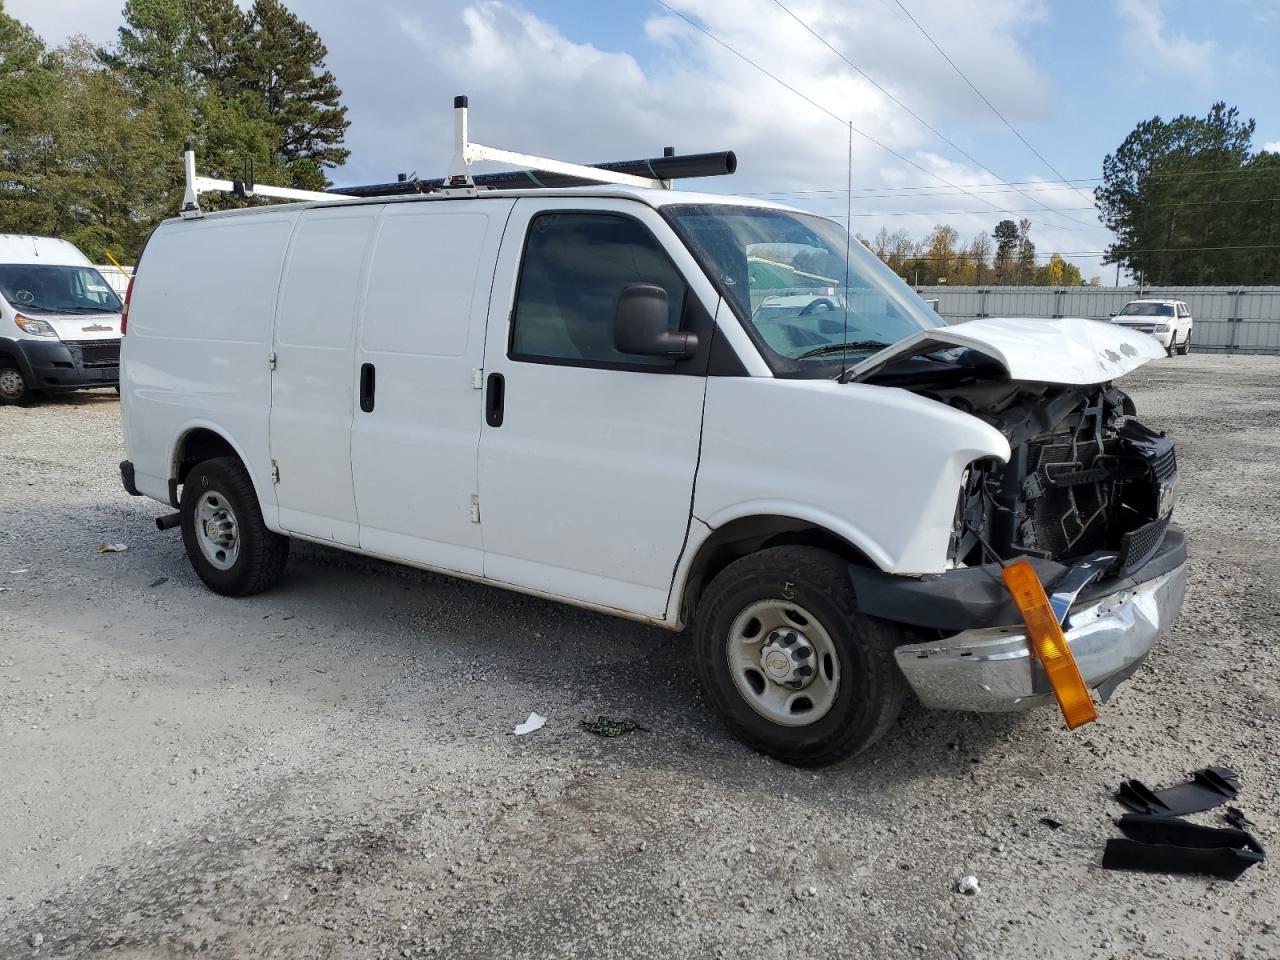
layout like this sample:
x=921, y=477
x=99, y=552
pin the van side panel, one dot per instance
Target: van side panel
x=199, y=337
x=313, y=386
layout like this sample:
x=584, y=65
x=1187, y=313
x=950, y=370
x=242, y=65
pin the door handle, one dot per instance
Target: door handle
x=495, y=400
x=367, y=381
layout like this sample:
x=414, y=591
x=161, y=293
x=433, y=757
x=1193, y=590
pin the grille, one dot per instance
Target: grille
x=1165, y=465
x=95, y=353
x=1137, y=546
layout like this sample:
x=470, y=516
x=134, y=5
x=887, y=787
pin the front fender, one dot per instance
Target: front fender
x=878, y=466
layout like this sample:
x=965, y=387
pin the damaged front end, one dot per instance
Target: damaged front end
x=1086, y=497
x=1083, y=477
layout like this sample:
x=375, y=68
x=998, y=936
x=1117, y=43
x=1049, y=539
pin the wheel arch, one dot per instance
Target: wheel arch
x=11, y=349
x=745, y=535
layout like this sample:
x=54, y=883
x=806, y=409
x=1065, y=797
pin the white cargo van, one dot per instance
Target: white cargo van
x=573, y=395
x=59, y=320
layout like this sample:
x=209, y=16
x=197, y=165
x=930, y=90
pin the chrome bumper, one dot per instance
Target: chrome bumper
x=992, y=669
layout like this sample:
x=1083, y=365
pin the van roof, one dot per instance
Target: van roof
x=653, y=198
x=20, y=248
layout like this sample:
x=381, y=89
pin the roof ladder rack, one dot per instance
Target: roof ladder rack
x=539, y=172
x=197, y=185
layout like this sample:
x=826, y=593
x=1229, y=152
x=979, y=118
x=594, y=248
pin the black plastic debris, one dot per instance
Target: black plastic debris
x=1235, y=816
x=1158, y=844
x=604, y=727
x=1051, y=823
x=1207, y=789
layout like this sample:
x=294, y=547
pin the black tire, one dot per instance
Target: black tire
x=870, y=689
x=14, y=388
x=1186, y=345
x=260, y=561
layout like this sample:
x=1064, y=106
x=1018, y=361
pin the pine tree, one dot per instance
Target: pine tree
x=282, y=70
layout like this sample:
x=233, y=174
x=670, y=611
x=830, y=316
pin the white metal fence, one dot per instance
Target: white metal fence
x=119, y=279
x=1227, y=319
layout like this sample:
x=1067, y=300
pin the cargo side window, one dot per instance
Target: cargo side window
x=575, y=265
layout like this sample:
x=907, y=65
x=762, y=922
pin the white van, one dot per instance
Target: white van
x=59, y=320
x=565, y=393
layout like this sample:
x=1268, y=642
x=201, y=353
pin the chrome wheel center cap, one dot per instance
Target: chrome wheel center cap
x=787, y=659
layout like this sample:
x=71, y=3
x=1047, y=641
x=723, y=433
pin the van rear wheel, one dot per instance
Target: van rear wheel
x=226, y=538
x=791, y=664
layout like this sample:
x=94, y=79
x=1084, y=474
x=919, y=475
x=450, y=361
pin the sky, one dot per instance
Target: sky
x=593, y=80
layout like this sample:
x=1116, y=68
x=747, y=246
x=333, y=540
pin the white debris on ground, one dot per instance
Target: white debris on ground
x=535, y=722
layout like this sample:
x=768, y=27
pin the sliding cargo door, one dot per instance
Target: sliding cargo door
x=418, y=410
x=312, y=394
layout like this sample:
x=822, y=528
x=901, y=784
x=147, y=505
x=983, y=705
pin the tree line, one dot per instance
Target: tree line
x=90, y=137
x=1190, y=202
x=1006, y=257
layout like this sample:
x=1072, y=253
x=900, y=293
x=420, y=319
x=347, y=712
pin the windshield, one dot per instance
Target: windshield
x=38, y=288
x=1147, y=310
x=784, y=273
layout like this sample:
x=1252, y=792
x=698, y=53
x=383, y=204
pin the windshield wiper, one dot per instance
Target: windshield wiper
x=835, y=348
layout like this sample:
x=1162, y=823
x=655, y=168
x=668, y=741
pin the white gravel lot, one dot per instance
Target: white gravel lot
x=328, y=770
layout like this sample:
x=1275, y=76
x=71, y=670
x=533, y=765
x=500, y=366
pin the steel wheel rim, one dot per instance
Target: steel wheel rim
x=217, y=531
x=12, y=386
x=759, y=634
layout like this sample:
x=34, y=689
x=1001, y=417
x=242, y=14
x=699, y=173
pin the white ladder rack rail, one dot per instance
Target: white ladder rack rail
x=466, y=152
x=197, y=184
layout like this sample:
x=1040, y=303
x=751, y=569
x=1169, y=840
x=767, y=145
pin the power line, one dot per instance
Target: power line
x=984, y=99
x=919, y=119
x=813, y=103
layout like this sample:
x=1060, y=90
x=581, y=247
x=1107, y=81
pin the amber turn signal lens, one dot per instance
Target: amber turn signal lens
x=1046, y=639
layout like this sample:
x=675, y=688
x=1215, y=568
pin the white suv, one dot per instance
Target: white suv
x=574, y=395
x=1169, y=321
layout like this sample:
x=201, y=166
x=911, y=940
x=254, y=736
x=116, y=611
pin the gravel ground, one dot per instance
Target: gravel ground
x=328, y=770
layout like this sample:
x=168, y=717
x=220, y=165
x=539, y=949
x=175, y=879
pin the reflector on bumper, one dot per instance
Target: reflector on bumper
x=1045, y=637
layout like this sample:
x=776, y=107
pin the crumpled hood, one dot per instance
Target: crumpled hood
x=1069, y=350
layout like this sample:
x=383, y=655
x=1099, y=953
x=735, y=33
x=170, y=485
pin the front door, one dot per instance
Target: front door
x=587, y=455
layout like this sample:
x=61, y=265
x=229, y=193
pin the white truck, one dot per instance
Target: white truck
x=59, y=320
x=564, y=393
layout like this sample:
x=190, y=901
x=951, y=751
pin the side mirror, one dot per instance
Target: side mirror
x=1114, y=314
x=640, y=325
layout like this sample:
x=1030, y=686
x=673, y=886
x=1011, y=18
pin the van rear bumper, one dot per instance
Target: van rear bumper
x=56, y=366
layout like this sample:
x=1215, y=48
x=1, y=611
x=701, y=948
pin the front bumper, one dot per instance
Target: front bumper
x=993, y=670
x=57, y=365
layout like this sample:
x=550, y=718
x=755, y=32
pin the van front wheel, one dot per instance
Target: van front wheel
x=791, y=664
x=227, y=541
x=13, y=385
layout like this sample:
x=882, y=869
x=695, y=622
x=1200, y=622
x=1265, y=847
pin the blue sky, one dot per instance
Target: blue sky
x=613, y=79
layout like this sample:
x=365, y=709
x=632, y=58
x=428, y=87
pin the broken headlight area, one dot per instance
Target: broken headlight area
x=1084, y=477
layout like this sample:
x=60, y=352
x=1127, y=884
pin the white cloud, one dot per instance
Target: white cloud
x=1158, y=47
x=533, y=89
x=1272, y=146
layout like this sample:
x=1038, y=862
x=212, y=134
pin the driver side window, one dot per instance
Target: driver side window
x=575, y=265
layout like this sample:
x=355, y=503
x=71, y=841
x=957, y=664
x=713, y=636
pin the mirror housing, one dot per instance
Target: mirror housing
x=640, y=325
